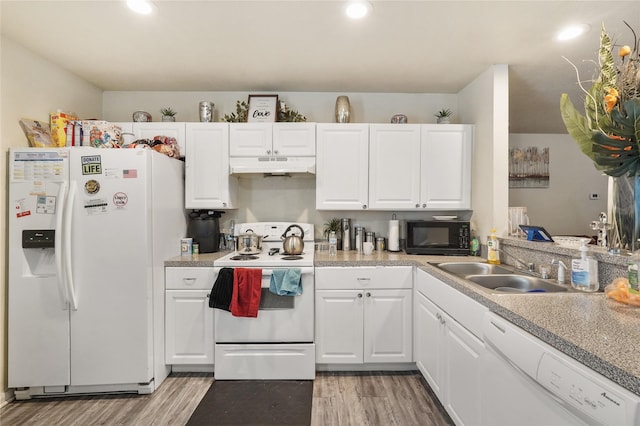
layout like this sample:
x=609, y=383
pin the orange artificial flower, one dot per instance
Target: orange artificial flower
x=611, y=99
x=624, y=51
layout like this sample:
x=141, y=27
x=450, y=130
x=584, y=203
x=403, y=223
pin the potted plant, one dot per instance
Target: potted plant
x=444, y=116
x=168, y=114
x=334, y=224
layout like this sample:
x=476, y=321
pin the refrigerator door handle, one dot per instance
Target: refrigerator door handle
x=62, y=193
x=71, y=293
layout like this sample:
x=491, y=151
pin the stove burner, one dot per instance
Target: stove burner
x=244, y=257
x=291, y=257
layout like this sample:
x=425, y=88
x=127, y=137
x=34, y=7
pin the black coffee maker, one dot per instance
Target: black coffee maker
x=204, y=228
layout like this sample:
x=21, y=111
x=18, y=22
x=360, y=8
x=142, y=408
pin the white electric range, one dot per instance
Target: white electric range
x=279, y=343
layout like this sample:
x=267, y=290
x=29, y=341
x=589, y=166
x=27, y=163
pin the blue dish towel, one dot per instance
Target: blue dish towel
x=286, y=282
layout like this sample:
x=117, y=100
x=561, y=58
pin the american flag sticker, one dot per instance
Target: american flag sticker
x=130, y=173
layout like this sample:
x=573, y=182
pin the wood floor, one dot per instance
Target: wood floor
x=377, y=398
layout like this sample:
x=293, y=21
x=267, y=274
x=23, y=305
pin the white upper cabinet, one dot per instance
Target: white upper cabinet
x=294, y=139
x=250, y=139
x=394, y=166
x=342, y=166
x=208, y=184
x=446, y=166
x=271, y=139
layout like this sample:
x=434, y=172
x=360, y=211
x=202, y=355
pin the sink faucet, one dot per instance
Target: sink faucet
x=531, y=267
x=562, y=269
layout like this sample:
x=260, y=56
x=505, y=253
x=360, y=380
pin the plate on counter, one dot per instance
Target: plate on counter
x=445, y=217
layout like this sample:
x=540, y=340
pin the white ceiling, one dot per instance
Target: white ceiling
x=309, y=46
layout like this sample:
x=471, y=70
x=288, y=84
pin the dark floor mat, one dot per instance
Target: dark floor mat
x=255, y=402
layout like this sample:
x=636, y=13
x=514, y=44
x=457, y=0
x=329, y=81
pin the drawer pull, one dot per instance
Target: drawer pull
x=363, y=279
x=189, y=280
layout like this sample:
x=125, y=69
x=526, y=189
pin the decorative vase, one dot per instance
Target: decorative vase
x=205, y=109
x=443, y=120
x=343, y=109
x=168, y=118
x=625, y=213
x=141, y=117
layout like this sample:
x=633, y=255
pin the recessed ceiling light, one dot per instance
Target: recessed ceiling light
x=572, y=32
x=143, y=7
x=357, y=9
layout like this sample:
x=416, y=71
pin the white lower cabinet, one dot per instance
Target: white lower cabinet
x=363, y=315
x=188, y=319
x=446, y=353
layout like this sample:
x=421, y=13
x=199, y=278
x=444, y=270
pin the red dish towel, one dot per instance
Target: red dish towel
x=247, y=288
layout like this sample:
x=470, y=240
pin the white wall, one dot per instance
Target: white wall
x=32, y=88
x=485, y=102
x=316, y=106
x=564, y=208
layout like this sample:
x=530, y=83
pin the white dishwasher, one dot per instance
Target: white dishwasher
x=530, y=383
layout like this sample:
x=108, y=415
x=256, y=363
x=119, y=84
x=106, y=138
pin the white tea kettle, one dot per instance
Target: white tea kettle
x=293, y=244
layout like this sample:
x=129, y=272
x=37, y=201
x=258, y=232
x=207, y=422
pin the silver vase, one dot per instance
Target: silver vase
x=343, y=109
x=206, y=111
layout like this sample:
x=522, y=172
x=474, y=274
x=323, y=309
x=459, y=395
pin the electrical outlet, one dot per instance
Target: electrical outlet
x=594, y=196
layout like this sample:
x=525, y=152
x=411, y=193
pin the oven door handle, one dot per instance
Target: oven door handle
x=269, y=272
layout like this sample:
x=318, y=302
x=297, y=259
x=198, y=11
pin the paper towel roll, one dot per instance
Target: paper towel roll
x=394, y=235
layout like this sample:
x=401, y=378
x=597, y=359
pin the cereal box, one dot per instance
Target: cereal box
x=101, y=134
x=58, y=125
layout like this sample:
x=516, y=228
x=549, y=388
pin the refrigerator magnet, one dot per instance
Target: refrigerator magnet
x=46, y=204
x=92, y=186
x=120, y=199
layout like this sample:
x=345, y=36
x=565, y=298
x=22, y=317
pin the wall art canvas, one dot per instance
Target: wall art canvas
x=529, y=167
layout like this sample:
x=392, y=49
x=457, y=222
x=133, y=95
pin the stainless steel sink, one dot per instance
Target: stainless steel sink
x=514, y=283
x=463, y=269
x=500, y=279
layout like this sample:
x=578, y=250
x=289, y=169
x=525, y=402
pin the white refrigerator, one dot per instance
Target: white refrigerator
x=89, y=230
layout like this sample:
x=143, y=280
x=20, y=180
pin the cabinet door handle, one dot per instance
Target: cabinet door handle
x=364, y=206
x=359, y=295
x=275, y=152
x=368, y=294
x=417, y=206
x=208, y=295
x=268, y=151
x=424, y=205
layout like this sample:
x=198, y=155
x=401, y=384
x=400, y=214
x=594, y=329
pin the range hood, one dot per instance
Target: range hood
x=272, y=165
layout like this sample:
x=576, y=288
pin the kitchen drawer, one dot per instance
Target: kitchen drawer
x=364, y=277
x=188, y=278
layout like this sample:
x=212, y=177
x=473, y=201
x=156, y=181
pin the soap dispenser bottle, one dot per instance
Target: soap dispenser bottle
x=493, y=256
x=584, y=271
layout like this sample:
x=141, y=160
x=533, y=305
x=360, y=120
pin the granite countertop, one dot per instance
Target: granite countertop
x=598, y=332
x=194, y=261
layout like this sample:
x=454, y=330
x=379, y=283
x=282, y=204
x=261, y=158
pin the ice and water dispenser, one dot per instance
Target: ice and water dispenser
x=39, y=251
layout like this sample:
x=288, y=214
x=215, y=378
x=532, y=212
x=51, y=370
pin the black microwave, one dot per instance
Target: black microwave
x=440, y=237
